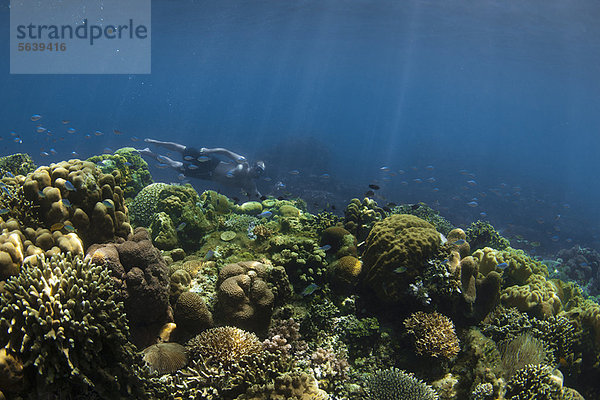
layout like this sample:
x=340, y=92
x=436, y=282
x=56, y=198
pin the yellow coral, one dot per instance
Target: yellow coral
x=434, y=334
x=537, y=296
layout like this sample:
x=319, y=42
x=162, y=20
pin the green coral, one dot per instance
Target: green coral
x=216, y=203
x=145, y=204
x=302, y=257
x=426, y=213
x=61, y=319
x=16, y=164
x=361, y=216
x=395, y=255
x=482, y=234
x=393, y=384
x=132, y=168
x=164, y=235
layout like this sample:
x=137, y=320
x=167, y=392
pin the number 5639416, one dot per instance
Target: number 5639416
x=35, y=46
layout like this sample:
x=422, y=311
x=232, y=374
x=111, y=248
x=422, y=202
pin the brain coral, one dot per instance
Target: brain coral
x=244, y=298
x=63, y=320
x=191, y=314
x=142, y=283
x=395, y=384
x=397, y=249
x=145, y=204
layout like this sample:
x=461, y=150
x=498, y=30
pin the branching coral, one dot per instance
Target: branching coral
x=538, y=382
x=433, y=333
x=62, y=320
x=394, y=384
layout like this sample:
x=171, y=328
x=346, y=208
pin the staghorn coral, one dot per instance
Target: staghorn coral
x=395, y=254
x=394, y=384
x=538, y=382
x=433, y=333
x=63, y=320
x=165, y=358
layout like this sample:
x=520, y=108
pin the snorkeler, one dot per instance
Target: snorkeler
x=206, y=164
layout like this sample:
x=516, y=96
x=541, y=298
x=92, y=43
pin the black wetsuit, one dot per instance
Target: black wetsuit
x=198, y=169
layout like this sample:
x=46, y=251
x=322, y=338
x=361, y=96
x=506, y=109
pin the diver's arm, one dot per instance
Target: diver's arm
x=224, y=152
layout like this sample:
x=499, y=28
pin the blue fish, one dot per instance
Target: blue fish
x=188, y=158
x=66, y=202
x=108, y=204
x=5, y=190
x=502, y=265
x=209, y=255
x=71, y=130
x=265, y=214
x=36, y=117
x=193, y=166
x=70, y=186
x=229, y=174
x=459, y=242
x=310, y=289
x=294, y=172
x=40, y=129
x=325, y=248
x=203, y=158
x=9, y=174
x=69, y=228
x=472, y=204
x=180, y=227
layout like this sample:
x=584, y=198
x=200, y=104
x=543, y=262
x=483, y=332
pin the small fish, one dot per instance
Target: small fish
x=9, y=174
x=209, y=255
x=279, y=185
x=98, y=133
x=310, y=289
x=400, y=270
x=107, y=150
x=229, y=174
x=265, y=214
x=36, y=117
x=325, y=248
x=117, y=132
x=417, y=180
x=384, y=169
x=555, y=238
x=430, y=180
x=53, y=151
x=267, y=179
x=41, y=194
x=75, y=154
x=435, y=189
x=71, y=130
x=65, y=121
x=18, y=140
x=180, y=227
x=108, y=204
x=459, y=242
x=502, y=265
x=40, y=129
x=69, y=228
x=369, y=193
x=430, y=168
x=162, y=159
x=294, y=172
x=374, y=187
x=57, y=226
x=4, y=211
x=325, y=176
x=401, y=171
x=188, y=158
x=472, y=204
x=203, y=158
x=70, y=186
x=66, y=202
x=472, y=183
x=161, y=166
x=483, y=214
x=135, y=139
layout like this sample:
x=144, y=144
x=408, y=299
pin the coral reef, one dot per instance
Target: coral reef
x=538, y=382
x=165, y=358
x=433, y=333
x=244, y=298
x=361, y=216
x=62, y=319
x=191, y=314
x=16, y=164
x=482, y=234
x=142, y=283
x=129, y=165
x=392, y=384
x=396, y=252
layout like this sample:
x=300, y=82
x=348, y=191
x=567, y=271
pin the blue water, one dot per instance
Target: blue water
x=507, y=91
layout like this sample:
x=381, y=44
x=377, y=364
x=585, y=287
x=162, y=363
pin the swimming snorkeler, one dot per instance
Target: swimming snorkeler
x=218, y=164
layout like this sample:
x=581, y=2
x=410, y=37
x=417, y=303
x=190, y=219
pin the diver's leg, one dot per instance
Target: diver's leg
x=161, y=159
x=167, y=145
